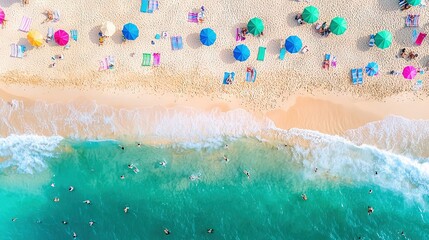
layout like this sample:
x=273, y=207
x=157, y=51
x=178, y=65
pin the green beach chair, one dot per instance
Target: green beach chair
x=146, y=59
x=261, y=53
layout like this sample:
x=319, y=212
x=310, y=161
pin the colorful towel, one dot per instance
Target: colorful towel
x=56, y=16
x=354, y=76
x=228, y=78
x=193, y=17
x=144, y=7
x=17, y=51
x=261, y=53
x=25, y=24
x=334, y=62
x=420, y=38
x=360, y=76
x=239, y=37
x=156, y=59
x=412, y=20
x=73, y=34
x=282, y=53
x=146, y=59
x=107, y=63
x=250, y=74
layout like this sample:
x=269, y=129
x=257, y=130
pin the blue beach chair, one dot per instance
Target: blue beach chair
x=354, y=76
x=145, y=6
x=371, y=40
x=174, y=43
x=179, y=42
x=360, y=76
x=73, y=34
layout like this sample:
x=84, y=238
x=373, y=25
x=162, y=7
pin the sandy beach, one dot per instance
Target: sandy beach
x=295, y=92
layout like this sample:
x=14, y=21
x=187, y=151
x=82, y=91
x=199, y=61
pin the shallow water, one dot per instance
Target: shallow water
x=266, y=206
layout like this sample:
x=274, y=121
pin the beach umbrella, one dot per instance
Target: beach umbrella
x=414, y=2
x=207, y=36
x=255, y=26
x=2, y=16
x=241, y=53
x=371, y=69
x=383, y=39
x=61, y=37
x=310, y=14
x=409, y=72
x=338, y=25
x=35, y=38
x=130, y=31
x=107, y=29
x=293, y=44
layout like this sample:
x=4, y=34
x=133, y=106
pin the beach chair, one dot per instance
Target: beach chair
x=403, y=5
x=412, y=20
x=17, y=51
x=193, y=17
x=50, y=34
x=282, y=53
x=146, y=59
x=144, y=6
x=360, y=76
x=250, y=74
x=371, y=40
x=174, y=43
x=228, y=78
x=73, y=34
x=354, y=76
x=420, y=38
x=261, y=53
x=179, y=42
x=56, y=16
x=151, y=6
x=156, y=59
x=25, y=24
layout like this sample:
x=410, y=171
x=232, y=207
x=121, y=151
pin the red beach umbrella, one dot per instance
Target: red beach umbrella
x=409, y=72
x=61, y=37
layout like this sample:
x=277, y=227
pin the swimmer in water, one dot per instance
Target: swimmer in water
x=210, y=230
x=122, y=177
x=136, y=170
x=370, y=210
x=194, y=177
x=304, y=197
x=247, y=173
x=139, y=144
x=131, y=166
x=64, y=222
x=14, y=219
x=163, y=163
x=226, y=146
x=91, y=223
x=52, y=184
x=225, y=158
x=87, y=202
x=370, y=191
x=126, y=209
x=122, y=147
x=166, y=231
x=74, y=235
x=71, y=188
x=56, y=199
x=315, y=170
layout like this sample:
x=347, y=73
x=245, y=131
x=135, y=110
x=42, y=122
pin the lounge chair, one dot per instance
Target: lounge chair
x=360, y=76
x=261, y=53
x=25, y=24
x=412, y=20
x=354, y=76
x=56, y=16
x=73, y=34
x=156, y=59
x=179, y=42
x=50, y=34
x=282, y=53
x=146, y=59
x=174, y=43
x=420, y=38
x=144, y=6
x=193, y=17
x=250, y=74
x=371, y=40
x=17, y=51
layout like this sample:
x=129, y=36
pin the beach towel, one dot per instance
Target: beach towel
x=17, y=51
x=412, y=20
x=261, y=53
x=56, y=16
x=193, y=17
x=334, y=62
x=25, y=24
x=73, y=34
x=156, y=59
x=282, y=53
x=414, y=35
x=146, y=59
x=360, y=76
x=371, y=40
x=354, y=76
x=50, y=34
x=420, y=38
x=228, y=78
x=107, y=63
x=179, y=42
x=250, y=74
x=144, y=7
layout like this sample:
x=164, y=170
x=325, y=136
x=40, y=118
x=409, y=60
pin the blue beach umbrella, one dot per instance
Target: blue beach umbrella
x=207, y=36
x=241, y=53
x=130, y=31
x=371, y=69
x=293, y=44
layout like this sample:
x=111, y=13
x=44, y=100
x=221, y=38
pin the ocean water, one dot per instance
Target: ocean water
x=46, y=148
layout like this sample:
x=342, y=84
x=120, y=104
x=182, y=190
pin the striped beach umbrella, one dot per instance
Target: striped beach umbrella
x=130, y=31
x=310, y=14
x=2, y=16
x=338, y=25
x=293, y=44
x=371, y=69
x=383, y=39
x=35, y=38
x=207, y=36
x=255, y=26
x=414, y=2
x=409, y=72
x=108, y=29
x=61, y=37
x=241, y=53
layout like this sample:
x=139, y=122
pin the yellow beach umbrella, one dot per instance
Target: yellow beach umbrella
x=108, y=29
x=35, y=38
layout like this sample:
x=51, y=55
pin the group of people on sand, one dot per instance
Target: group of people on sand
x=323, y=29
x=410, y=55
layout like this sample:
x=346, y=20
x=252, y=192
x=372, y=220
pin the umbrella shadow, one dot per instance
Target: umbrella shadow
x=404, y=36
x=387, y=5
x=23, y=41
x=93, y=34
x=8, y=3
x=424, y=61
x=226, y=56
x=117, y=38
x=234, y=28
x=363, y=44
x=274, y=45
x=290, y=19
x=193, y=40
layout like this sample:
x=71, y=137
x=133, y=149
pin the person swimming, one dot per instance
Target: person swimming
x=64, y=222
x=122, y=147
x=136, y=170
x=139, y=144
x=14, y=219
x=210, y=230
x=304, y=197
x=225, y=158
x=131, y=166
x=87, y=202
x=163, y=163
x=74, y=235
x=370, y=210
x=56, y=199
x=370, y=191
x=247, y=173
x=166, y=231
x=126, y=209
x=52, y=184
x=122, y=177
x=71, y=188
x=91, y=223
x=194, y=177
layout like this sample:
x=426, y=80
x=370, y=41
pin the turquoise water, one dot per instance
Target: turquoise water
x=266, y=206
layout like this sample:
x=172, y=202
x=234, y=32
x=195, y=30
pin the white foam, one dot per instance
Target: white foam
x=27, y=153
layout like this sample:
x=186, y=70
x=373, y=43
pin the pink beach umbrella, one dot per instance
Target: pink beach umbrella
x=409, y=72
x=61, y=37
x=2, y=16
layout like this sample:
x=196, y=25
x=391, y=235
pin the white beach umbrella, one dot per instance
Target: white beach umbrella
x=108, y=28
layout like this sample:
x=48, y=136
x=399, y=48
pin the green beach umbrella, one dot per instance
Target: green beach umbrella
x=255, y=26
x=310, y=14
x=414, y=2
x=383, y=39
x=338, y=25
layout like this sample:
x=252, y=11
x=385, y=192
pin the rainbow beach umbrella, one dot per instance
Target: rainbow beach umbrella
x=241, y=53
x=130, y=31
x=255, y=26
x=293, y=44
x=61, y=37
x=338, y=25
x=2, y=16
x=409, y=72
x=35, y=38
x=207, y=36
x=108, y=29
x=310, y=14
